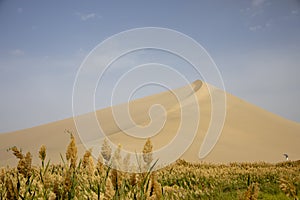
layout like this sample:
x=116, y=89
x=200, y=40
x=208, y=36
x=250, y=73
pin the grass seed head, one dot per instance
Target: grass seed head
x=109, y=190
x=86, y=158
x=24, y=165
x=106, y=150
x=156, y=186
x=147, y=152
x=71, y=154
x=42, y=152
x=17, y=152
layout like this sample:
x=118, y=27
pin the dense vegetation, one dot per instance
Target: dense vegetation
x=84, y=179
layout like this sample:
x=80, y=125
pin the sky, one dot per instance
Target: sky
x=254, y=43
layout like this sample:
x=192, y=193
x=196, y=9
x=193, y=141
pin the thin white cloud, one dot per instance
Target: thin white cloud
x=260, y=27
x=17, y=52
x=255, y=28
x=257, y=15
x=258, y=2
x=295, y=12
x=255, y=10
x=87, y=16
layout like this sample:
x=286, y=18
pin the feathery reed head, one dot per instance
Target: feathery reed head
x=42, y=153
x=24, y=165
x=71, y=154
x=147, y=152
x=106, y=150
x=17, y=152
x=86, y=158
x=88, y=162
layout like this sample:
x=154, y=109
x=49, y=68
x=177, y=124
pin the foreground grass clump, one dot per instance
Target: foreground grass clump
x=85, y=179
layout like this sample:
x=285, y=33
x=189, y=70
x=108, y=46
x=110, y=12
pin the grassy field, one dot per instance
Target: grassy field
x=85, y=179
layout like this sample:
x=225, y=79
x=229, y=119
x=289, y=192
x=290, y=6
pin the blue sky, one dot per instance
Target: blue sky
x=255, y=44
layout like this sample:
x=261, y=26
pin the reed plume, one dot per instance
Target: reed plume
x=17, y=152
x=109, y=190
x=71, y=154
x=88, y=162
x=42, y=154
x=147, y=153
x=24, y=164
x=106, y=151
x=156, y=186
x=117, y=158
x=99, y=166
x=86, y=158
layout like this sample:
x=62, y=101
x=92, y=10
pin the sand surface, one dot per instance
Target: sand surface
x=249, y=133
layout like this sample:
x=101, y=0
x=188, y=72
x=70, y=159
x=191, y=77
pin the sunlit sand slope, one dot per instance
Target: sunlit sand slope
x=249, y=133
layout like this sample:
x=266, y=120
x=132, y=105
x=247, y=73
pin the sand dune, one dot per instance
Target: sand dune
x=249, y=133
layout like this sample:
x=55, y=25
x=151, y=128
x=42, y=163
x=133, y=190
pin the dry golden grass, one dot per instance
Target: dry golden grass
x=82, y=179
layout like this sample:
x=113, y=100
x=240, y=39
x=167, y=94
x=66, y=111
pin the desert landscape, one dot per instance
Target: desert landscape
x=150, y=100
x=250, y=134
x=250, y=151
